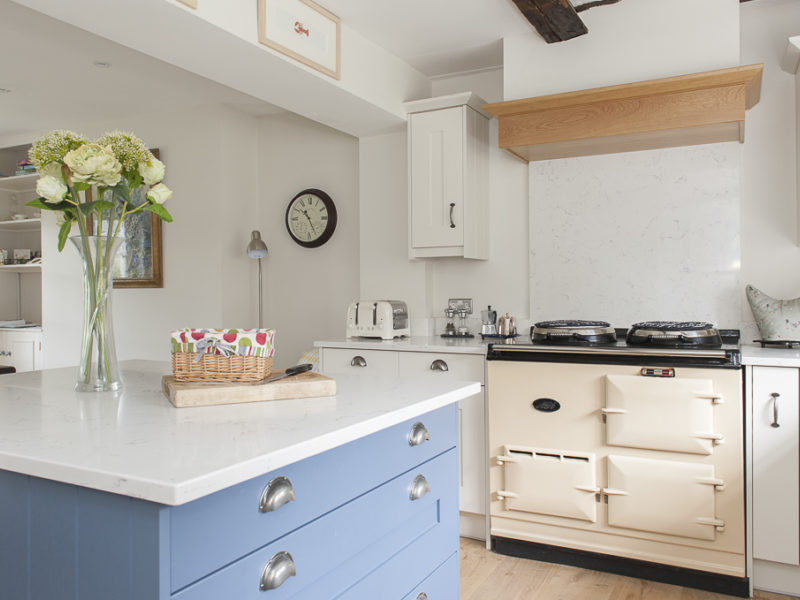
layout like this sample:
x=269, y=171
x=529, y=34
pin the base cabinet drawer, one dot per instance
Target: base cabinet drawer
x=442, y=584
x=368, y=362
x=234, y=520
x=330, y=554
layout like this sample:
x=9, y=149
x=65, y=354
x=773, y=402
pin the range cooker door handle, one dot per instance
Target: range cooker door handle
x=504, y=459
x=716, y=438
x=588, y=488
x=719, y=524
x=715, y=398
x=719, y=484
x=503, y=494
x=613, y=411
x=614, y=492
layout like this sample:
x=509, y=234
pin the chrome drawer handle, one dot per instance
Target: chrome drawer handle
x=419, y=487
x=279, y=568
x=418, y=435
x=358, y=361
x=439, y=365
x=277, y=492
x=775, y=396
x=422, y=596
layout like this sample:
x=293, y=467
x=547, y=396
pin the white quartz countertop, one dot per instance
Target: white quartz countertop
x=137, y=444
x=412, y=344
x=770, y=357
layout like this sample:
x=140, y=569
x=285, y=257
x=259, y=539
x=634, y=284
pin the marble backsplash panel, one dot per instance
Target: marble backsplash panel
x=650, y=235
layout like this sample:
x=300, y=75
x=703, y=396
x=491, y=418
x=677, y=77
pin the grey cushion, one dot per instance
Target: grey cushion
x=776, y=319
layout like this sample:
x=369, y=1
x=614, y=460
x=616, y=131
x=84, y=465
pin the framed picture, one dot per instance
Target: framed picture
x=302, y=30
x=140, y=261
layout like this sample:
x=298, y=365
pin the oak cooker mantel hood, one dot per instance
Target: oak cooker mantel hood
x=700, y=108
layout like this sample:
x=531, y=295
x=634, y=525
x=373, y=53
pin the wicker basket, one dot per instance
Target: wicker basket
x=216, y=367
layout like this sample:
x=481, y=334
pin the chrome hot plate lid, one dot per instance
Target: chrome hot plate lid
x=573, y=332
x=674, y=334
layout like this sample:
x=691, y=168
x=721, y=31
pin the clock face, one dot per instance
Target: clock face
x=311, y=218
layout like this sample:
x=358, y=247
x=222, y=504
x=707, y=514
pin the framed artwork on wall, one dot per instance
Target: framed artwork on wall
x=303, y=31
x=139, y=261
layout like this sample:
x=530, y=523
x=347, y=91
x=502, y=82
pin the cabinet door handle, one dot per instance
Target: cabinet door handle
x=419, y=487
x=439, y=365
x=418, y=434
x=358, y=361
x=775, y=396
x=452, y=224
x=279, y=568
x=422, y=596
x=277, y=492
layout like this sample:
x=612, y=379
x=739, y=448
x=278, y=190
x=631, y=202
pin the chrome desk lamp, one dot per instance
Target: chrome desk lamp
x=258, y=249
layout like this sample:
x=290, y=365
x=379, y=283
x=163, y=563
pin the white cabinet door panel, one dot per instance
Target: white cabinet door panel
x=776, y=465
x=663, y=496
x=437, y=177
x=472, y=454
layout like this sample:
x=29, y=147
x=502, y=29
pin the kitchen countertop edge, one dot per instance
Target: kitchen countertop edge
x=770, y=357
x=411, y=344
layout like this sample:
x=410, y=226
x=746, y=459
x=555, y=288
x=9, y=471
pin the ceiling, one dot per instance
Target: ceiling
x=436, y=37
x=47, y=64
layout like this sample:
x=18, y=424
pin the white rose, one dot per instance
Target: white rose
x=159, y=194
x=153, y=171
x=51, y=189
x=53, y=170
x=92, y=163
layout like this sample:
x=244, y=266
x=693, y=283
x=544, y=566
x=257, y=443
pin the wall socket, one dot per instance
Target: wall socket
x=459, y=303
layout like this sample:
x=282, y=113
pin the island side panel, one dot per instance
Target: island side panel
x=72, y=543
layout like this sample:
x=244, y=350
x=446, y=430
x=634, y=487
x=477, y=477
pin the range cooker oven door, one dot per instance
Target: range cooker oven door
x=549, y=482
x=663, y=496
x=657, y=413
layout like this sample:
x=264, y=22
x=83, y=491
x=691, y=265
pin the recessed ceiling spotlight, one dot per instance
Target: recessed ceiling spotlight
x=5, y=91
x=101, y=65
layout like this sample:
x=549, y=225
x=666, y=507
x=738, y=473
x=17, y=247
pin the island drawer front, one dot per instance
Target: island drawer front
x=334, y=553
x=216, y=530
x=461, y=367
x=355, y=360
x=442, y=584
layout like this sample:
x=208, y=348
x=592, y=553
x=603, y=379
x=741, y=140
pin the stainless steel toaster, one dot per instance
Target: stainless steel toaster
x=385, y=319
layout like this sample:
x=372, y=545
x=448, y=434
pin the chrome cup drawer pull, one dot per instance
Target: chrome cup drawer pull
x=439, y=365
x=358, y=361
x=418, y=434
x=419, y=487
x=422, y=596
x=279, y=568
x=277, y=492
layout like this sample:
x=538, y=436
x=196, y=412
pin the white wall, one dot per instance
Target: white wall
x=306, y=290
x=206, y=282
x=629, y=41
x=770, y=254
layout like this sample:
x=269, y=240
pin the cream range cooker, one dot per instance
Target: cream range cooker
x=623, y=456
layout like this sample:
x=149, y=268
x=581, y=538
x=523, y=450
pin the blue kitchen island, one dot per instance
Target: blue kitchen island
x=107, y=497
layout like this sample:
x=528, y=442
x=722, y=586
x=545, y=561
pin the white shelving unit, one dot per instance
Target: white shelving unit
x=18, y=183
x=21, y=225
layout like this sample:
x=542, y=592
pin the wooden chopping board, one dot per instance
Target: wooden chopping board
x=189, y=393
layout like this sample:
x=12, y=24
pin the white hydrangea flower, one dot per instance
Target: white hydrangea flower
x=159, y=194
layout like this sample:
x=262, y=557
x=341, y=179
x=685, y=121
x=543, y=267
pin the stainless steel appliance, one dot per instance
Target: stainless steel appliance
x=489, y=321
x=385, y=319
x=620, y=451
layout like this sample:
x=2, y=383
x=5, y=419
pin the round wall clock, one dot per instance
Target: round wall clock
x=311, y=218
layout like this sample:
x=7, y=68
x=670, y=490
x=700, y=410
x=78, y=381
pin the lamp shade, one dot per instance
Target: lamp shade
x=256, y=248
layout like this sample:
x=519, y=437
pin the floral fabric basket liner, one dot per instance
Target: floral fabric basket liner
x=223, y=355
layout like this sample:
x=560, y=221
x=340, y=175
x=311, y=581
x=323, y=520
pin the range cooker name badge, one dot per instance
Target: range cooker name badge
x=547, y=405
x=658, y=372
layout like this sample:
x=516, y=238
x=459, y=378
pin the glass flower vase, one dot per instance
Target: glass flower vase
x=98, y=370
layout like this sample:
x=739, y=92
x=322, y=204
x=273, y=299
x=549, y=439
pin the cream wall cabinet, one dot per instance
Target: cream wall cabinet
x=471, y=411
x=21, y=350
x=773, y=393
x=448, y=177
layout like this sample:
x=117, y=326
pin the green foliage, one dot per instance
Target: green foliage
x=63, y=234
x=160, y=212
x=42, y=204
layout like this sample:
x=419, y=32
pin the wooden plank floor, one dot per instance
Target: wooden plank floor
x=485, y=574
